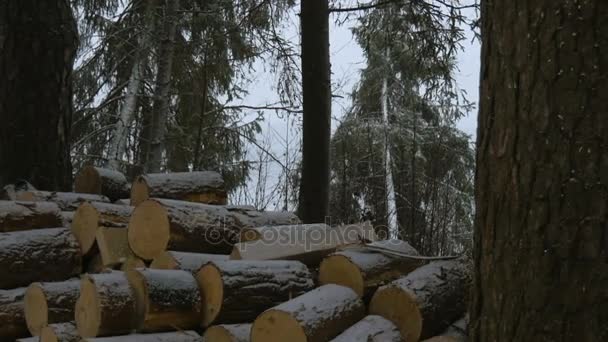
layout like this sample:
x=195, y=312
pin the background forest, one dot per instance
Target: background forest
x=159, y=86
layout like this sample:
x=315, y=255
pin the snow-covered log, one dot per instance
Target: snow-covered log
x=249, y=220
x=90, y=216
x=66, y=218
x=51, y=254
x=16, y=216
x=318, y=315
x=67, y=201
x=49, y=303
x=201, y=186
x=113, y=245
x=191, y=262
x=159, y=224
x=12, y=319
x=107, y=305
x=28, y=339
x=372, y=328
x=365, y=271
x=167, y=299
x=308, y=243
x=456, y=332
x=228, y=333
x=238, y=291
x=426, y=301
x=60, y=332
x=96, y=180
x=177, y=336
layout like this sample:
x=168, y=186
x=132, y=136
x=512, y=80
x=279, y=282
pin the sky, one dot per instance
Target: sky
x=346, y=60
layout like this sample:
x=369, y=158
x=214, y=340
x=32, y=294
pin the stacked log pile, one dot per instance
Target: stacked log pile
x=181, y=265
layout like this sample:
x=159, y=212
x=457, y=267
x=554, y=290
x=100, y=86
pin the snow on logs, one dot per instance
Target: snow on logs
x=107, y=305
x=90, y=216
x=201, y=186
x=60, y=332
x=16, y=216
x=228, y=333
x=308, y=243
x=426, y=301
x=67, y=201
x=456, y=332
x=318, y=315
x=372, y=328
x=49, y=303
x=12, y=320
x=178, y=336
x=363, y=271
x=237, y=291
x=167, y=299
x=51, y=254
x=96, y=180
x=191, y=262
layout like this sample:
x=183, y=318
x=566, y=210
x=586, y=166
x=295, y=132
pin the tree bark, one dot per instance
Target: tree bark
x=372, y=328
x=238, y=291
x=316, y=92
x=16, y=216
x=179, y=336
x=541, y=213
x=51, y=254
x=67, y=201
x=191, y=262
x=200, y=186
x=60, y=332
x=100, y=181
x=161, y=106
x=12, y=319
x=37, y=48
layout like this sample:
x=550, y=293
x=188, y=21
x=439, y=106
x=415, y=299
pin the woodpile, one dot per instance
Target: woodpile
x=75, y=267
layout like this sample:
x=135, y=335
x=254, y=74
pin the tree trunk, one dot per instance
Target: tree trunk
x=372, y=328
x=541, y=213
x=51, y=254
x=200, y=186
x=16, y=216
x=48, y=303
x=316, y=88
x=37, y=49
x=238, y=291
x=161, y=106
x=67, y=201
x=318, y=315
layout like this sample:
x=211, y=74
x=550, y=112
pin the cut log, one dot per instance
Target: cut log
x=96, y=180
x=38, y=255
x=167, y=299
x=67, y=201
x=49, y=303
x=132, y=263
x=228, y=333
x=60, y=332
x=113, y=245
x=308, y=243
x=16, y=216
x=107, y=305
x=238, y=291
x=12, y=319
x=123, y=201
x=191, y=262
x=90, y=216
x=318, y=315
x=158, y=224
x=372, y=328
x=201, y=186
x=426, y=301
x=456, y=332
x=364, y=271
x=178, y=336
x=250, y=219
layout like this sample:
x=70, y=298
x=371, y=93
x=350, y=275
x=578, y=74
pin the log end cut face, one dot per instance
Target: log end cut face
x=164, y=261
x=36, y=309
x=149, y=230
x=217, y=333
x=84, y=226
x=88, y=181
x=139, y=191
x=138, y=284
x=210, y=283
x=399, y=306
x=338, y=269
x=277, y=326
x=88, y=309
x=48, y=335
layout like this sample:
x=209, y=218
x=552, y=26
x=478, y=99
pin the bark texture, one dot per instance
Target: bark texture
x=12, y=319
x=316, y=93
x=38, y=255
x=100, y=181
x=542, y=177
x=179, y=336
x=372, y=328
x=190, y=262
x=67, y=201
x=37, y=48
x=16, y=216
x=199, y=186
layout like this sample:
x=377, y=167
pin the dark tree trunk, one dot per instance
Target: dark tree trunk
x=541, y=244
x=316, y=87
x=38, y=41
